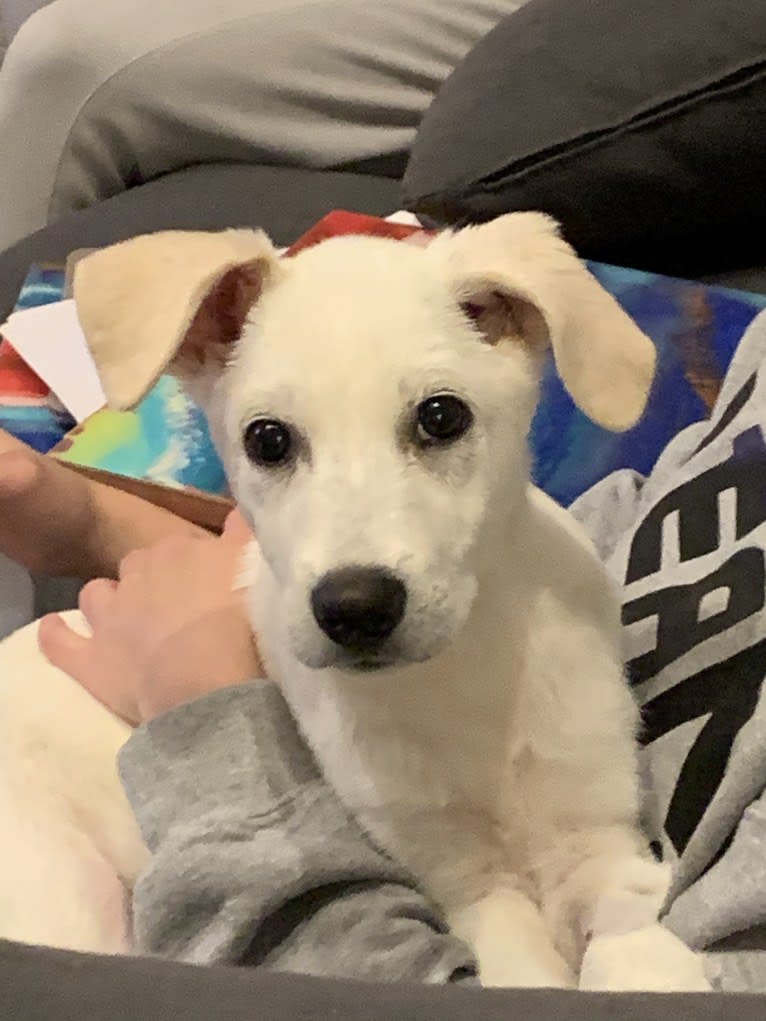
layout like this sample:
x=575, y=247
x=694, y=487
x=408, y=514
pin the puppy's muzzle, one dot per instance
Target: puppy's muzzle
x=358, y=608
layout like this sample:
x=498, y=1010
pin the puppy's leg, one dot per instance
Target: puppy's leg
x=511, y=941
x=58, y=890
x=628, y=949
x=605, y=912
x=69, y=844
x=651, y=959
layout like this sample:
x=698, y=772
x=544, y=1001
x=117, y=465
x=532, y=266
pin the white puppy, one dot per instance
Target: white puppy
x=447, y=639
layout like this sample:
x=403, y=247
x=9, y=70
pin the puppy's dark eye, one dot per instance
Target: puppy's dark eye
x=443, y=417
x=267, y=442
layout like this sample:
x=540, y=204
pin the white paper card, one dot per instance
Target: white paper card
x=51, y=342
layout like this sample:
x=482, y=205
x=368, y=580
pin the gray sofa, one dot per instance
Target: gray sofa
x=13, y=13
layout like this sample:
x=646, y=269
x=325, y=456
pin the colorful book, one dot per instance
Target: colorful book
x=695, y=328
x=161, y=451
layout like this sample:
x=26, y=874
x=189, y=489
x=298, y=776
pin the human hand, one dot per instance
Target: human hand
x=170, y=630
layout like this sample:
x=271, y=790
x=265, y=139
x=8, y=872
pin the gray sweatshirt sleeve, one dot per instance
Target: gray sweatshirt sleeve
x=255, y=861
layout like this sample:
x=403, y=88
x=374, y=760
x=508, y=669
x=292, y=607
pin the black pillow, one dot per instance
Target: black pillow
x=639, y=124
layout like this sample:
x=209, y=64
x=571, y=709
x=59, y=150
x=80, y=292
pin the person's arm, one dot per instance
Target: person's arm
x=56, y=521
x=125, y=523
x=256, y=862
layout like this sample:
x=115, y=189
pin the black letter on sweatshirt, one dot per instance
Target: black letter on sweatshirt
x=697, y=504
x=677, y=608
x=728, y=692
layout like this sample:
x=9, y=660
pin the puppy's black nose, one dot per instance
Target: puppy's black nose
x=358, y=607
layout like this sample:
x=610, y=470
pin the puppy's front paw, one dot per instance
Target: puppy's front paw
x=650, y=959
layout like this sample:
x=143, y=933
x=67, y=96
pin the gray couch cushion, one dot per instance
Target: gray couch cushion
x=638, y=125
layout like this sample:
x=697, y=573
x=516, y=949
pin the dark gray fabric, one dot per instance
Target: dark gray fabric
x=49, y=985
x=635, y=124
x=284, y=201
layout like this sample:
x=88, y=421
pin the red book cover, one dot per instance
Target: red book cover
x=340, y=222
x=17, y=380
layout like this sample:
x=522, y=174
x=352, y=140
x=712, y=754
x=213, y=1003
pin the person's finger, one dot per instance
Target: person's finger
x=63, y=647
x=97, y=598
x=236, y=529
x=74, y=654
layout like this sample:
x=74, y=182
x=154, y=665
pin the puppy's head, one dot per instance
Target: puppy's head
x=371, y=402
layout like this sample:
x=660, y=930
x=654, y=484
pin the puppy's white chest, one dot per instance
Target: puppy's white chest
x=426, y=736
x=430, y=773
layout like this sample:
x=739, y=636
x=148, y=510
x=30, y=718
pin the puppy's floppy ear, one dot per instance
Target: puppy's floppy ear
x=174, y=296
x=517, y=278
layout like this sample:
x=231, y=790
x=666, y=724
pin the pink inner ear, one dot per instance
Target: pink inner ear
x=492, y=313
x=218, y=322
x=500, y=315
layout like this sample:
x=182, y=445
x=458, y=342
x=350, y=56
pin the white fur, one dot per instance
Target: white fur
x=69, y=845
x=494, y=754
